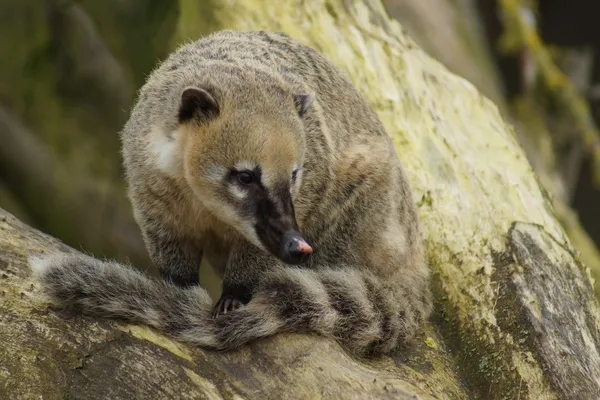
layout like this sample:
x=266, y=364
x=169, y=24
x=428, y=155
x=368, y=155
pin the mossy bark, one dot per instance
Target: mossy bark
x=515, y=312
x=450, y=33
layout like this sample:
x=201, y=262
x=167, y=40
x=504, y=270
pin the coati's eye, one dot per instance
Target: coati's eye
x=245, y=177
x=294, y=175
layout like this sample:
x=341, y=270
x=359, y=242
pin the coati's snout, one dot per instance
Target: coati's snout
x=296, y=249
x=278, y=231
x=290, y=247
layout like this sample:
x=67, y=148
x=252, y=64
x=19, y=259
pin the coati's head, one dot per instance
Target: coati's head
x=243, y=153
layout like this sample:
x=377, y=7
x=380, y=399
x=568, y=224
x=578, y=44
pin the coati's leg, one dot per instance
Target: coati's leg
x=245, y=266
x=178, y=260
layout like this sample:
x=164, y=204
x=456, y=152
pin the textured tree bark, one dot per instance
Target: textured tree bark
x=515, y=314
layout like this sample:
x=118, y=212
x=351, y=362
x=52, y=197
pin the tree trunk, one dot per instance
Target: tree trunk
x=515, y=313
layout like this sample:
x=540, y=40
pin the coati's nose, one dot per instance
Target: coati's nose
x=296, y=249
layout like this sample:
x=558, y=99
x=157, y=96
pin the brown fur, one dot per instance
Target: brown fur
x=366, y=283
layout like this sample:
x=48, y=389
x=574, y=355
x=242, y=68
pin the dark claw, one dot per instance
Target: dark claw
x=225, y=305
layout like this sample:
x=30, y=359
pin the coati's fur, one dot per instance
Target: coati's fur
x=321, y=164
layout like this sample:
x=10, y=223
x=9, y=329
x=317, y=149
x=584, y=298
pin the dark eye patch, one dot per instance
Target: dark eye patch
x=243, y=177
x=294, y=176
x=246, y=177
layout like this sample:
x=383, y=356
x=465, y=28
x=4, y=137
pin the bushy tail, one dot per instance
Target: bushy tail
x=362, y=313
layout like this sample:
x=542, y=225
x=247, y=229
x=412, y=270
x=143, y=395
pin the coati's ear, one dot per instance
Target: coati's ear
x=197, y=104
x=302, y=102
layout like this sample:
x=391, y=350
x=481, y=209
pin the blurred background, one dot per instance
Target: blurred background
x=70, y=69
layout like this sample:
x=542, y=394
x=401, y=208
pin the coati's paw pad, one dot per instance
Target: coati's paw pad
x=226, y=305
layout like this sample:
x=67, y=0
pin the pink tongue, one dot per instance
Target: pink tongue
x=303, y=247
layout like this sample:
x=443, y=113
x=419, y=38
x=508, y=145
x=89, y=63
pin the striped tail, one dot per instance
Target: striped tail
x=366, y=316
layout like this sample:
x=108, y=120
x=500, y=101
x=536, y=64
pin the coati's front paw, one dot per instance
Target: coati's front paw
x=226, y=304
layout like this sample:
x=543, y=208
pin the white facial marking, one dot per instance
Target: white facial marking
x=237, y=192
x=245, y=165
x=168, y=158
x=215, y=173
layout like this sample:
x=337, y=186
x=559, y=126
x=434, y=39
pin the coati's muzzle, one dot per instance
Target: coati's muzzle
x=295, y=249
x=289, y=245
x=279, y=233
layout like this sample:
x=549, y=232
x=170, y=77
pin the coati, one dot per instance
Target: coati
x=254, y=151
